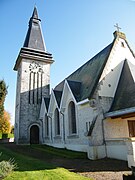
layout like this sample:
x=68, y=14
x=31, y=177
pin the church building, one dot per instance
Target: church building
x=92, y=110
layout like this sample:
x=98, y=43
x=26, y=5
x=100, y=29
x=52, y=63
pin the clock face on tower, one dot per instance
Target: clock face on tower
x=35, y=67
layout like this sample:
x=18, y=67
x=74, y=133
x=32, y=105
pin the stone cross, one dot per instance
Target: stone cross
x=117, y=26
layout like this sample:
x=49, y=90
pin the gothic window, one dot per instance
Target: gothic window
x=46, y=126
x=57, y=122
x=72, y=118
x=35, y=83
x=131, y=127
x=29, y=87
x=33, y=87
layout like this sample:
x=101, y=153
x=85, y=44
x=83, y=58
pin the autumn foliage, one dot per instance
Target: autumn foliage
x=5, y=125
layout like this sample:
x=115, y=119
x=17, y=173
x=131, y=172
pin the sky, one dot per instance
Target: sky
x=74, y=31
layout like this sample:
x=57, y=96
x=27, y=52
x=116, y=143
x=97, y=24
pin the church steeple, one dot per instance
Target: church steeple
x=34, y=46
x=34, y=37
x=35, y=13
x=33, y=83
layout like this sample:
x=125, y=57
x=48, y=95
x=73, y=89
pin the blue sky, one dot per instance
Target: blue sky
x=74, y=31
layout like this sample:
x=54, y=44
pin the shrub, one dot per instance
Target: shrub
x=4, y=136
x=7, y=167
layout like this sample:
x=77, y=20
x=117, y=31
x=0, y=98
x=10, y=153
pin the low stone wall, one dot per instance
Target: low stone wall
x=7, y=140
x=116, y=148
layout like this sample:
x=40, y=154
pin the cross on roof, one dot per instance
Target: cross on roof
x=117, y=26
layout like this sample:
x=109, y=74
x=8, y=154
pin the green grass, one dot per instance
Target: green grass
x=31, y=168
x=10, y=135
x=53, y=174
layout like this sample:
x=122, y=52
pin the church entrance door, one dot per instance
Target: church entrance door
x=34, y=134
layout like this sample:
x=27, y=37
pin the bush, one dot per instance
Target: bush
x=7, y=167
x=4, y=136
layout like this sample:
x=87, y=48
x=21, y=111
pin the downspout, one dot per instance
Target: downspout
x=63, y=127
x=103, y=130
x=51, y=128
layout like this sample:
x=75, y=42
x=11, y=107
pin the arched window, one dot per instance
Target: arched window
x=72, y=117
x=46, y=126
x=57, y=122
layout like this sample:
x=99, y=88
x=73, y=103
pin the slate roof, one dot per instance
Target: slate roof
x=87, y=75
x=34, y=37
x=75, y=88
x=34, y=47
x=58, y=95
x=125, y=93
x=47, y=101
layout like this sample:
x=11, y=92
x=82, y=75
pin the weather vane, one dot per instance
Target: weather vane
x=117, y=27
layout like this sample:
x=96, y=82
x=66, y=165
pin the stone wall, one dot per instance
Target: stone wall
x=29, y=109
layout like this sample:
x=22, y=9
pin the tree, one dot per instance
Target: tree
x=3, y=93
x=4, y=116
x=12, y=129
x=5, y=125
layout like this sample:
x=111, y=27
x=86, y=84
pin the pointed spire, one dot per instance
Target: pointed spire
x=35, y=14
x=34, y=38
x=34, y=46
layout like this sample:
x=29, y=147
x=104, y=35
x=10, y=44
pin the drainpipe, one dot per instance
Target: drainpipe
x=51, y=128
x=103, y=130
x=63, y=127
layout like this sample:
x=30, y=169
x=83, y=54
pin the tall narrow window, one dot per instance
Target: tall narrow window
x=46, y=126
x=41, y=84
x=72, y=118
x=57, y=122
x=29, y=87
x=131, y=127
x=33, y=87
x=37, y=85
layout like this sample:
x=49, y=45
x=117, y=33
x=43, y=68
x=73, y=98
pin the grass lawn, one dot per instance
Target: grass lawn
x=31, y=168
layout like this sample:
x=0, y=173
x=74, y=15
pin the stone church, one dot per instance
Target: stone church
x=92, y=110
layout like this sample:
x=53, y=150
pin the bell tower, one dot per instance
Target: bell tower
x=33, y=82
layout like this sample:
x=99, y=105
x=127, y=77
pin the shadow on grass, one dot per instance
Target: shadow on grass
x=41, y=157
x=24, y=158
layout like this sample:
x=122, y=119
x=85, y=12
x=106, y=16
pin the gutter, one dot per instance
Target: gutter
x=83, y=102
x=120, y=112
